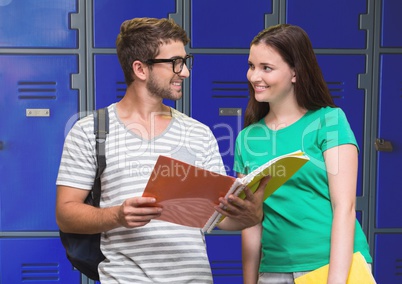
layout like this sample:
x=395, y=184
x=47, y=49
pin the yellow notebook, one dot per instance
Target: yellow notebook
x=359, y=273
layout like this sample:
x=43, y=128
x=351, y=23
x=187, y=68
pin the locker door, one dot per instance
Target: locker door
x=224, y=252
x=341, y=74
x=388, y=258
x=391, y=23
x=39, y=24
x=109, y=80
x=109, y=14
x=219, y=98
x=330, y=24
x=35, y=104
x=389, y=186
x=388, y=224
x=227, y=23
x=35, y=260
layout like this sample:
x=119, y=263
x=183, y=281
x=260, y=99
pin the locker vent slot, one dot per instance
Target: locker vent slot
x=236, y=90
x=37, y=90
x=400, y=92
x=230, y=268
x=120, y=89
x=40, y=272
x=398, y=267
x=336, y=89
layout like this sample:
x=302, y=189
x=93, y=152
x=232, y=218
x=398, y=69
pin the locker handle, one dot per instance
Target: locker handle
x=1, y=145
x=382, y=145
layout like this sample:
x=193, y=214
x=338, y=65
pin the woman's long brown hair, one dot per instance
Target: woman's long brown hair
x=295, y=48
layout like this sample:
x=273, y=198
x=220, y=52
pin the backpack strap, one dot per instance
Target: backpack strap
x=101, y=129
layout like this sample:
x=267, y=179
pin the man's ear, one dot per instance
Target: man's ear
x=139, y=69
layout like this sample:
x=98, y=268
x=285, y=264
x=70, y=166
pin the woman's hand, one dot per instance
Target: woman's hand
x=243, y=213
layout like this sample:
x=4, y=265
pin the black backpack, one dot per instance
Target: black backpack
x=83, y=250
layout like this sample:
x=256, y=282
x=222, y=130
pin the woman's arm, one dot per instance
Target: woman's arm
x=342, y=163
x=251, y=253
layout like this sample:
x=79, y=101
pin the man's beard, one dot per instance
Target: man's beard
x=158, y=91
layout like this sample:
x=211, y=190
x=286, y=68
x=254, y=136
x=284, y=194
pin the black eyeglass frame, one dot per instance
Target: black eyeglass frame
x=173, y=60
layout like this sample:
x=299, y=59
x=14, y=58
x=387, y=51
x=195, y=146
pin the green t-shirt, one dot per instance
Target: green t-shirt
x=298, y=216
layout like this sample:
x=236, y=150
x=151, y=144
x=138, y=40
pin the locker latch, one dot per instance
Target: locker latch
x=37, y=112
x=229, y=111
x=382, y=145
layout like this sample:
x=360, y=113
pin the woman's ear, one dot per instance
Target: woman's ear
x=294, y=77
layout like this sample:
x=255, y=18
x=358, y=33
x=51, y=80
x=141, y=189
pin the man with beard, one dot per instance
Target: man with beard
x=138, y=248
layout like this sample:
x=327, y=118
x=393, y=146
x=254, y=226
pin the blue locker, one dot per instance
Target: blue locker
x=329, y=24
x=110, y=86
x=108, y=15
x=37, y=24
x=35, y=260
x=391, y=23
x=227, y=23
x=224, y=252
x=389, y=128
x=341, y=74
x=109, y=80
x=388, y=258
x=36, y=103
x=219, y=98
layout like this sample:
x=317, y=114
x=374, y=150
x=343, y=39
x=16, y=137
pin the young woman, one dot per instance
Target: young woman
x=310, y=221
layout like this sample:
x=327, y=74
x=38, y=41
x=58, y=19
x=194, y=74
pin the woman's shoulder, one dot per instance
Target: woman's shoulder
x=254, y=127
x=328, y=113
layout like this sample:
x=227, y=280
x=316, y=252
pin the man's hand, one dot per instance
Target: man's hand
x=132, y=213
x=243, y=213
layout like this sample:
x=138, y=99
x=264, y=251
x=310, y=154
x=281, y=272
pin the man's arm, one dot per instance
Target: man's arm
x=74, y=216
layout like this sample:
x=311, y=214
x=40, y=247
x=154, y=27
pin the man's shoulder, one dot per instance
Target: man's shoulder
x=187, y=119
x=85, y=120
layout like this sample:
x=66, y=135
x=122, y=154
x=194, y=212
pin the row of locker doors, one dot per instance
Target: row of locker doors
x=45, y=107
x=38, y=105
x=56, y=24
x=41, y=105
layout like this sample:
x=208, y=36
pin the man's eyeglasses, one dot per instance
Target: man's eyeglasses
x=177, y=62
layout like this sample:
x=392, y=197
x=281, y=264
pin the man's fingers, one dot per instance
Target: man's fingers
x=138, y=207
x=140, y=201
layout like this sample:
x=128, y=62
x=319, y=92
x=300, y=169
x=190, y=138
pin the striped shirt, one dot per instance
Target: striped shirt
x=159, y=252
